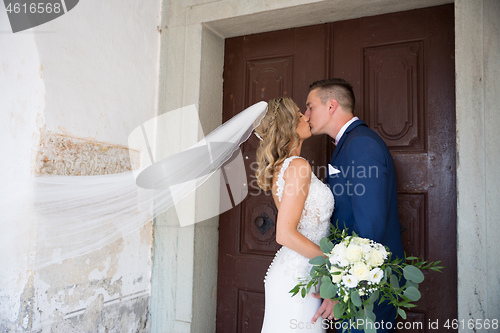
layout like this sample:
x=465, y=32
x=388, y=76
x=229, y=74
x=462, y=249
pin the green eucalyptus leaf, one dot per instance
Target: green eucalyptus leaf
x=414, y=274
x=325, y=279
x=356, y=300
x=412, y=294
x=328, y=289
x=303, y=292
x=317, y=261
x=369, y=307
x=325, y=245
x=402, y=313
x=373, y=297
x=394, y=282
x=369, y=326
x=411, y=284
x=338, y=311
x=370, y=315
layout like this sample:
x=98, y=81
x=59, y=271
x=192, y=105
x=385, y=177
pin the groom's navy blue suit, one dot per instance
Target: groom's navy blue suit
x=366, y=198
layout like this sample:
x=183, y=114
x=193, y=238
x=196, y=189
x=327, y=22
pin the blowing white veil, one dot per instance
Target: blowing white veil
x=76, y=215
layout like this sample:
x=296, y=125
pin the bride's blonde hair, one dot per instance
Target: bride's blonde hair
x=278, y=130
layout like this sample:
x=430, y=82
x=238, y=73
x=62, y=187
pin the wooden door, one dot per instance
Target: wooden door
x=402, y=70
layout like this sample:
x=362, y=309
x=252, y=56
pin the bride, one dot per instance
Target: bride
x=305, y=205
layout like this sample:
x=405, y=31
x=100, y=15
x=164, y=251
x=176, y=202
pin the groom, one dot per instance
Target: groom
x=362, y=177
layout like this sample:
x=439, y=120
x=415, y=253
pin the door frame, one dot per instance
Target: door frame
x=190, y=72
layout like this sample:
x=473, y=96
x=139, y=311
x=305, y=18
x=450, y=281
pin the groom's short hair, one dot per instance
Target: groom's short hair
x=338, y=89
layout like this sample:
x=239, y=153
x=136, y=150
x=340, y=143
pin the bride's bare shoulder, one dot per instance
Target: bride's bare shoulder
x=298, y=168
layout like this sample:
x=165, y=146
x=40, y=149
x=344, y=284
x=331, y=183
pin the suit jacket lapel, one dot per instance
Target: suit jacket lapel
x=343, y=138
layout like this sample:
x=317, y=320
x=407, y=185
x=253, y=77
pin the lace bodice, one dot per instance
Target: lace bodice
x=314, y=222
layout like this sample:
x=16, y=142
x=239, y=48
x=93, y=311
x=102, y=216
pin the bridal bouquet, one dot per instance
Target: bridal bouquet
x=357, y=272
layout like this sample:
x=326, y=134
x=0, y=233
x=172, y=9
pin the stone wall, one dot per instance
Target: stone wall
x=60, y=154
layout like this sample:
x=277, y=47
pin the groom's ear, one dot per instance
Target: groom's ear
x=332, y=106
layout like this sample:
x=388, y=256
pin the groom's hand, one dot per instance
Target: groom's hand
x=325, y=310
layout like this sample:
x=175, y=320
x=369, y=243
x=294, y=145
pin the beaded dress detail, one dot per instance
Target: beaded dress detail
x=281, y=309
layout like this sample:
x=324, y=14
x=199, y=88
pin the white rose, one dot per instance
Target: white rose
x=381, y=249
x=342, y=261
x=354, y=252
x=338, y=256
x=361, y=241
x=366, y=250
x=338, y=249
x=376, y=275
x=350, y=281
x=360, y=271
x=336, y=278
x=375, y=258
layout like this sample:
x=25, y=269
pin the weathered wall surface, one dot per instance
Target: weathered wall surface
x=477, y=30
x=106, y=289
x=71, y=91
x=63, y=155
x=21, y=115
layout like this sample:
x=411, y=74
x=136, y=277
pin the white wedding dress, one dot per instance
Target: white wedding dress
x=284, y=313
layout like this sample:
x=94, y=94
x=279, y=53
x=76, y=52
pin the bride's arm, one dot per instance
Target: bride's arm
x=297, y=180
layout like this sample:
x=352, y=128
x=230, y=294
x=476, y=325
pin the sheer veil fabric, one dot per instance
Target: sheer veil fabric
x=75, y=215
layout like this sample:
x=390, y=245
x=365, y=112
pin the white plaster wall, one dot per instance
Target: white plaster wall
x=22, y=103
x=92, y=73
x=477, y=30
x=492, y=116
x=100, y=68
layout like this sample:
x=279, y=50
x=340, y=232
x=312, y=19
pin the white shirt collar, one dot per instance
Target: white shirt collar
x=342, y=130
